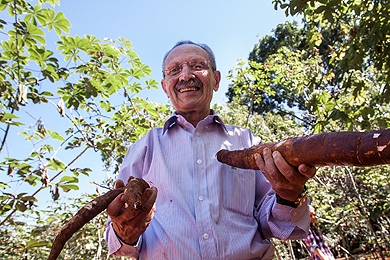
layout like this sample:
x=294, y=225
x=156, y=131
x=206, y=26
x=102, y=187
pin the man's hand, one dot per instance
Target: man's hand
x=288, y=182
x=130, y=223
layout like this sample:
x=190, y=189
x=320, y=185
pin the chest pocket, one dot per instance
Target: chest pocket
x=239, y=190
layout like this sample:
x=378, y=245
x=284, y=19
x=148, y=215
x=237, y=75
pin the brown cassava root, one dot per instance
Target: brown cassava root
x=132, y=192
x=325, y=149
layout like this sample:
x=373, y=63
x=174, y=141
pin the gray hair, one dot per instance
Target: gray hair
x=201, y=45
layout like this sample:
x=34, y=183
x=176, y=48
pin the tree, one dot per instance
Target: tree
x=82, y=97
x=33, y=241
x=332, y=72
x=254, y=86
x=329, y=75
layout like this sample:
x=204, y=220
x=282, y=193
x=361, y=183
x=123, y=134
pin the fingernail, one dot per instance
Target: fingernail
x=149, y=193
x=274, y=154
x=265, y=151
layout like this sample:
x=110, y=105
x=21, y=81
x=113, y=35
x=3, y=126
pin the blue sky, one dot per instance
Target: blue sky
x=230, y=28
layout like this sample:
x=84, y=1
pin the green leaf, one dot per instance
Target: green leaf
x=58, y=22
x=4, y=185
x=10, y=122
x=34, y=243
x=69, y=179
x=338, y=115
x=20, y=206
x=68, y=187
x=56, y=164
x=29, y=198
x=36, y=33
x=55, y=135
x=32, y=180
x=5, y=117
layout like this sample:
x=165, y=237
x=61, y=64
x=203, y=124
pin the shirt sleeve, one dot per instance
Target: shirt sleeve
x=132, y=165
x=281, y=221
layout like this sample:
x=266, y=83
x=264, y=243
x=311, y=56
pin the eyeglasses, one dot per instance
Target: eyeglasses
x=193, y=65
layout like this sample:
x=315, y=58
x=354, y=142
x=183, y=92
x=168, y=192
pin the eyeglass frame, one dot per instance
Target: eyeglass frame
x=180, y=65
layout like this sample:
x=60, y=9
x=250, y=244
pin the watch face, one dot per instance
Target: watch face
x=301, y=199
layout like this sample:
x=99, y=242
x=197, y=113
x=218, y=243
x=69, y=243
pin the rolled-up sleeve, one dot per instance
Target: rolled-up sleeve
x=283, y=222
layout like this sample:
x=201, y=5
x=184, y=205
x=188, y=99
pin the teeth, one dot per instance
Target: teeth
x=187, y=89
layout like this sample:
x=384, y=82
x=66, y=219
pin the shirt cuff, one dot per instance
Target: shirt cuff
x=293, y=223
x=300, y=216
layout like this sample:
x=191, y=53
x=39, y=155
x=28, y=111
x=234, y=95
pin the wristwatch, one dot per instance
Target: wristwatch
x=295, y=204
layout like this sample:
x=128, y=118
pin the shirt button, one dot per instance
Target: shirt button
x=197, y=134
x=200, y=198
x=205, y=236
x=199, y=161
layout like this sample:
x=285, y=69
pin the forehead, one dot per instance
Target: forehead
x=185, y=52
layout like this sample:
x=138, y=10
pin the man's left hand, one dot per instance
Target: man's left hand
x=287, y=181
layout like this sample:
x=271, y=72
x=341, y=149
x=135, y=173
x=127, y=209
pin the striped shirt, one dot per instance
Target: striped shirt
x=316, y=240
x=205, y=209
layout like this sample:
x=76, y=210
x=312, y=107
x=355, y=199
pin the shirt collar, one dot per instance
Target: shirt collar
x=212, y=118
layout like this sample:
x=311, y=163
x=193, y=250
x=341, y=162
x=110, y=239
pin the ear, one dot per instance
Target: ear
x=164, y=87
x=217, y=78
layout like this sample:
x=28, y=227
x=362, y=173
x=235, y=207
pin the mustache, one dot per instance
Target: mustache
x=189, y=83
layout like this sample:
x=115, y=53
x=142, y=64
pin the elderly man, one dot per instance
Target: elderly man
x=204, y=209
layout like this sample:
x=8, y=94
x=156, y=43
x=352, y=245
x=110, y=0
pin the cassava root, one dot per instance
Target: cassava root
x=325, y=149
x=132, y=193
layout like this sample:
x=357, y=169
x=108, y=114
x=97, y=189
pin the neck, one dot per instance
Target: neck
x=194, y=117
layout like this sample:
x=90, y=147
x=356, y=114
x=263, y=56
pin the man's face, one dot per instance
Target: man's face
x=189, y=79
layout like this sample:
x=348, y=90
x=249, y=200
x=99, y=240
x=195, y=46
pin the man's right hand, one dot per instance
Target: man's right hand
x=130, y=223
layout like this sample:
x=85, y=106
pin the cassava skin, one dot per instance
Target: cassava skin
x=132, y=192
x=325, y=149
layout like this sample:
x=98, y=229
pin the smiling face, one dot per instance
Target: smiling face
x=189, y=81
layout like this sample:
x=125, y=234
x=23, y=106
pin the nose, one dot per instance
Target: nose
x=186, y=73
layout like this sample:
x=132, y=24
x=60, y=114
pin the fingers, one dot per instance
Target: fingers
x=149, y=198
x=267, y=163
x=149, y=205
x=306, y=170
x=290, y=173
x=275, y=167
x=129, y=223
x=119, y=184
x=286, y=181
x=115, y=208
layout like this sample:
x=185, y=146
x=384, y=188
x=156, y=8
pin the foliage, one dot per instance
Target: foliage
x=352, y=207
x=333, y=69
x=61, y=99
x=269, y=127
x=34, y=240
x=330, y=74
x=254, y=84
x=83, y=95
